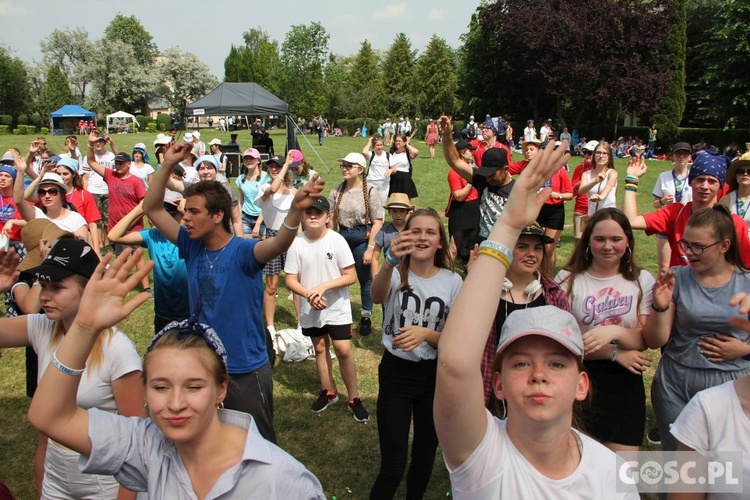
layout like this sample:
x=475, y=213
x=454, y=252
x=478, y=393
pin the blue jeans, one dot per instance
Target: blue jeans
x=356, y=238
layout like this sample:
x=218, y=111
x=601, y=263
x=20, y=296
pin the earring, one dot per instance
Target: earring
x=145, y=407
x=629, y=254
x=505, y=410
x=589, y=255
x=220, y=406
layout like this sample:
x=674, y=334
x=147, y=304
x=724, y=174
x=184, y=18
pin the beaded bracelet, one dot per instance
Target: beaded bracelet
x=393, y=260
x=659, y=309
x=498, y=247
x=491, y=252
x=65, y=369
x=631, y=187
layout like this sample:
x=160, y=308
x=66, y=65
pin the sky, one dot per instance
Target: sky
x=209, y=28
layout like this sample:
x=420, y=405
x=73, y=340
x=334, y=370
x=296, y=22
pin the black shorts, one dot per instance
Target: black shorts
x=552, y=216
x=336, y=332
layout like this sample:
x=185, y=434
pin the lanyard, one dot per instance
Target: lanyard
x=679, y=185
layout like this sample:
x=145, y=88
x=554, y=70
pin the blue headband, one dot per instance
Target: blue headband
x=707, y=163
x=9, y=170
x=188, y=327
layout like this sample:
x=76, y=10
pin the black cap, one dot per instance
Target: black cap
x=322, y=204
x=682, y=146
x=66, y=258
x=462, y=144
x=492, y=159
x=278, y=160
x=122, y=157
x=535, y=229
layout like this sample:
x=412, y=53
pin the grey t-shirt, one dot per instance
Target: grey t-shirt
x=135, y=451
x=427, y=304
x=703, y=311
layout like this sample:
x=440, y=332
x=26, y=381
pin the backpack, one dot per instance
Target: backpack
x=471, y=130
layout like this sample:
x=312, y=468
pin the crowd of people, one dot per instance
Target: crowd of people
x=529, y=379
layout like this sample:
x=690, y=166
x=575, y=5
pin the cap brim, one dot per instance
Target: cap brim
x=567, y=345
x=486, y=171
x=46, y=272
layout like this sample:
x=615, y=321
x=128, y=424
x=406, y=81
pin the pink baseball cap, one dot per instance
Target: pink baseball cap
x=297, y=155
x=251, y=152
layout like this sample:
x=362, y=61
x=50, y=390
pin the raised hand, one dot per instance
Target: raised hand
x=8, y=269
x=103, y=303
x=174, y=153
x=743, y=321
x=663, y=289
x=637, y=166
x=403, y=244
x=307, y=194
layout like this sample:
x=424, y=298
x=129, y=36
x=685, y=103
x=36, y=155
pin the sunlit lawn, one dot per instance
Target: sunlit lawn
x=343, y=454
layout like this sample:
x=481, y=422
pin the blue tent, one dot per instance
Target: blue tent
x=67, y=117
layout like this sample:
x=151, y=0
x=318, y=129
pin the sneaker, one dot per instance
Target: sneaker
x=359, y=411
x=365, y=326
x=325, y=399
x=654, y=437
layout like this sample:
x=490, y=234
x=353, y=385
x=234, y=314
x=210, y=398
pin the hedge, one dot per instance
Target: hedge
x=44, y=131
x=7, y=120
x=151, y=128
x=163, y=121
x=4, y=130
x=719, y=138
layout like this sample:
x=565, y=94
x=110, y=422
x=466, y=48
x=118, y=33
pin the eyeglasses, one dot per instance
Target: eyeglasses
x=50, y=191
x=694, y=248
x=742, y=171
x=601, y=153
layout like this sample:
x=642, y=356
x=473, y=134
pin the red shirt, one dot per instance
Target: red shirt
x=8, y=211
x=671, y=221
x=559, y=182
x=582, y=200
x=481, y=149
x=85, y=205
x=124, y=195
x=456, y=182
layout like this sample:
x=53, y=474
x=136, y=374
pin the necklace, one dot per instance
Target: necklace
x=212, y=262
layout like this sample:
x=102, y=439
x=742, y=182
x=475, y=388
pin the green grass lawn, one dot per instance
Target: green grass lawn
x=344, y=455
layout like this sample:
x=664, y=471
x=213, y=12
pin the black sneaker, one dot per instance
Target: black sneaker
x=325, y=399
x=654, y=437
x=359, y=411
x=365, y=326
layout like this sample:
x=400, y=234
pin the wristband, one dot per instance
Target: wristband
x=614, y=353
x=370, y=246
x=632, y=178
x=393, y=260
x=65, y=369
x=498, y=247
x=491, y=252
x=659, y=309
x=289, y=227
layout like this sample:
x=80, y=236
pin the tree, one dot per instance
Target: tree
x=72, y=52
x=303, y=56
x=14, y=85
x=55, y=92
x=119, y=82
x=475, y=61
x=577, y=55
x=336, y=84
x=672, y=105
x=437, y=81
x=363, y=92
x=183, y=78
x=399, y=76
x=702, y=18
x=257, y=61
x=130, y=31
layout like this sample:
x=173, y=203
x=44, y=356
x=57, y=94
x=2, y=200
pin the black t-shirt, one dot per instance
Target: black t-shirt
x=506, y=307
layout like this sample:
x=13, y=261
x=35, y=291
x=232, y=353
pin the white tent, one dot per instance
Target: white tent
x=118, y=122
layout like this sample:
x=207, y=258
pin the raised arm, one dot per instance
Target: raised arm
x=269, y=248
x=91, y=157
x=460, y=418
x=451, y=153
x=636, y=168
x=658, y=327
x=27, y=211
x=153, y=203
x=102, y=305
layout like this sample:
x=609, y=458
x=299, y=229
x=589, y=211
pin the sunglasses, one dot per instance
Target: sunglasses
x=348, y=166
x=742, y=171
x=587, y=152
x=50, y=191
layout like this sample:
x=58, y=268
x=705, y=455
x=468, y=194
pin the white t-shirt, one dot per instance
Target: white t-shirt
x=71, y=222
x=608, y=301
x=400, y=161
x=274, y=208
x=380, y=164
x=665, y=186
x=142, y=173
x=191, y=174
x=609, y=201
x=529, y=134
x=96, y=184
x=496, y=469
x=427, y=304
x=317, y=262
x=715, y=421
x=95, y=390
x=543, y=133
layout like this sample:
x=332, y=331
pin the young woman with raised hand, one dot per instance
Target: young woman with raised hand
x=358, y=216
x=417, y=286
x=379, y=166
x=80, y=198
x=401, y=155
x=610, y=297
x=690, y=318
x=109, y=380
x=189, y=447
x=600, y=183
x=534, y=453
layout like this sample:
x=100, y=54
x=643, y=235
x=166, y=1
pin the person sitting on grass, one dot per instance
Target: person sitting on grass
x=535, y=452
x=189, y=446
x=320, y=268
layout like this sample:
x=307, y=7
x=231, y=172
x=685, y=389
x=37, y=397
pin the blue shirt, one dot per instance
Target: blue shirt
x=170, y=276
x=228, y=296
